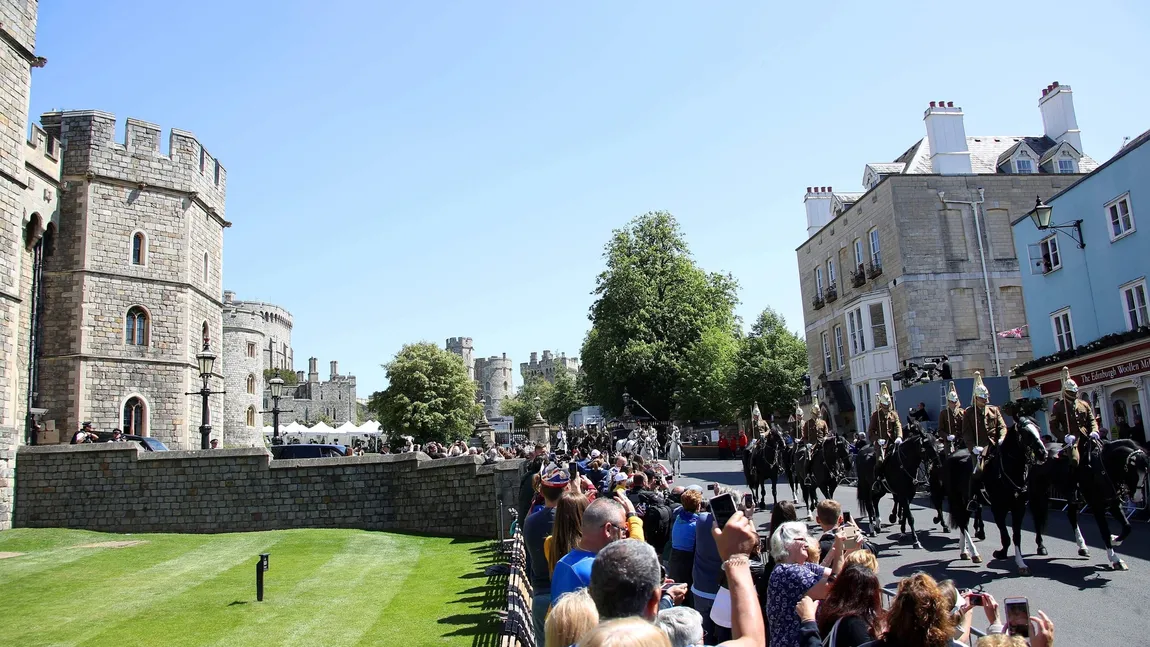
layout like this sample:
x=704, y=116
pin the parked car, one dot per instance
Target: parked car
x=307, y=450
x=147, y=442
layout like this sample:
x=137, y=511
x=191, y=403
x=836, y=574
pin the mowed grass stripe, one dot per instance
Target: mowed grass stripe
x=446, y=570
x=54, y=549
x=87, y=610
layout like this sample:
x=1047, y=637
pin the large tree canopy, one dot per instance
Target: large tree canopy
x=653, y=306
x=708, y=372
x=565, y=398
x=769, y=367
x=429, y=395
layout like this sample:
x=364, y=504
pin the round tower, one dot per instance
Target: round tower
x=494, y=382
x=243, y=371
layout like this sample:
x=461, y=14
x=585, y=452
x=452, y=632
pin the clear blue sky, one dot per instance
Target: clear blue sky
x=413, y=171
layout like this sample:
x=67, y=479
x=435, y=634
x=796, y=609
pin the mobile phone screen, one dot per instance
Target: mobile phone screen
x=846, y=516
x=724, y=507
x=748, y=500
x=1017, y=617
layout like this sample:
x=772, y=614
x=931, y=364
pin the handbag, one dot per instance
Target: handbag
x=829, y=641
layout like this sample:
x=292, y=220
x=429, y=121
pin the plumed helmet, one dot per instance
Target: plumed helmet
x=755, y=413
x=1068, y=385
x=815, y=411
x=980, y=390
x=952, y=393
x=884, y=395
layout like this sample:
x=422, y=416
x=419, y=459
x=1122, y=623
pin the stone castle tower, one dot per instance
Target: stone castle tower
x=132, y=283
x=257, y=337
x=29, y=220
x=494, y=382
x=549, y=366
x=462, y=346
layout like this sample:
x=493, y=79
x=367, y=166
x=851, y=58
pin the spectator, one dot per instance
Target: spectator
x=640, y=496
x=536, y=529
x=682, y=560
x=570, y=619
x=828, y=514
x=944, y=370
x=118, y=436
x=793, y=577
x=214, y=444
x=597, y=475
x=852, y=614
x=863, y=558
x=604, y=521
x=705, y=570
x=675, y=498
x=1001, y=640
x=735, y=542
x=626, y=581
x=782, y=512
x=919, y=615
x=526, y=485
x=683, y=626
x=568, y=527
x=722, y=608
x=85, y=435
x=628, y=632
x=920, y=415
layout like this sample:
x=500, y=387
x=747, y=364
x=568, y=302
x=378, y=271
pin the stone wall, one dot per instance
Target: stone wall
x=120, y=488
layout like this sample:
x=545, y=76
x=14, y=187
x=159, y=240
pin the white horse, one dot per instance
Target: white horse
x=628, y=444
x=561, y=441
x=674, y=452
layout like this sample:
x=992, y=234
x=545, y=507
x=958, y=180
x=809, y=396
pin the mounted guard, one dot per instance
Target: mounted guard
x=950, y=420
x=815, y=429
x=1072, y=419
x=674, y=451
x=983, y=428
x=885, y=427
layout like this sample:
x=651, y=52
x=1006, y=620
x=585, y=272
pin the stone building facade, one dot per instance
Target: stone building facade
x=548, y=366
x=132, y=285
x=923, y=263
x=29, y=220
x=311, y=400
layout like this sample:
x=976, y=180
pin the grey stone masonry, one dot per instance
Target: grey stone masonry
x=117, y=487
x=141, y=233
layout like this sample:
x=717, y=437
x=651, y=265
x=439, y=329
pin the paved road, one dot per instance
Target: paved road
x=1089, y=603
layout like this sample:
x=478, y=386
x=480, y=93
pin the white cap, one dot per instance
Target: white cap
x=594, y=453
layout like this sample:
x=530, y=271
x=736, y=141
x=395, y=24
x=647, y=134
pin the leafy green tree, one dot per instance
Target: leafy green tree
x=564, y=398
x=522, y=406
x=286, y=374
x=653, y=305
x=769, y=367
x=428, y=396
x=708, y=373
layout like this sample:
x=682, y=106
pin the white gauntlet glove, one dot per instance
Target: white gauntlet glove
x=1070, y=438
x=977, y=451
x=1094, y=435
x=898, y=441
x=882, y=442
x=950, y=438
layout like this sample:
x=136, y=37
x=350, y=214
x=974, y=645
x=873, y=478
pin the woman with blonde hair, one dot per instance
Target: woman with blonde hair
x=862, y=558
x=570, y=619
x=568, y=528
x=919, y=616
x=627, y=632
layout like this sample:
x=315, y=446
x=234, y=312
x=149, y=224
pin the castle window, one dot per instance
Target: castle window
x=203, y=159
x=487, y=386
x=134, y=419
x=136, y=327
x=139, y=248
x=205, y=267
x=251, y=384
x=505, y=386
x=217, y=178
x=251, y=349
x=251, y=417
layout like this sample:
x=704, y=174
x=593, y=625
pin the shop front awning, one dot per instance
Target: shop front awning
x=1101, y=367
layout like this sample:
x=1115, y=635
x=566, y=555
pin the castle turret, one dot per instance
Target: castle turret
x=312, y=370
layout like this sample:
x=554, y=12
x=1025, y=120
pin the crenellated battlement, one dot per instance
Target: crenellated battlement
x=90, y=145
x=43, y=153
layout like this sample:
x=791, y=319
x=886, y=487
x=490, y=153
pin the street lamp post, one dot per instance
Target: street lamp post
x=206, y=360
x=1040, y=215
x=276, y=386
x=539, y=409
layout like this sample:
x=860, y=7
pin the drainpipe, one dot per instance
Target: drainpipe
x=974, y=209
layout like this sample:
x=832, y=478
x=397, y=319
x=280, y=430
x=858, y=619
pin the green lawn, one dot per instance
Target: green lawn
x=324, y=587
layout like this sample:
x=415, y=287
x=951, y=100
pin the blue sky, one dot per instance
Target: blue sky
x=419, y=170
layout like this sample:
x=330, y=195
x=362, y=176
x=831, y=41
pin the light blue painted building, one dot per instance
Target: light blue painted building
x=1086, y=307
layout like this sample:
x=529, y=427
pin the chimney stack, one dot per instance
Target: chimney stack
x=818, y=204
x=946, y=136
x=312, y=370
x=334, y=370
x=1058, y=120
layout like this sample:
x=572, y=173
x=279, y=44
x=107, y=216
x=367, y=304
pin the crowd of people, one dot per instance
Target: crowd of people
x=617, y=556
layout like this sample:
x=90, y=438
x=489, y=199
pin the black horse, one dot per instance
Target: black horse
x=1116, y=472
x=935, y=484
x=1006, y=479
x=898, y=471
x=830, y=463
x=762, y=462
x=1058, y=471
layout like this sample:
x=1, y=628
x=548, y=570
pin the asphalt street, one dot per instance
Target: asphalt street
x=1089, y=603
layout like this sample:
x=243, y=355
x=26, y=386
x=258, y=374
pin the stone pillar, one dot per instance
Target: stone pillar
x=539, y=432
x=484, y=430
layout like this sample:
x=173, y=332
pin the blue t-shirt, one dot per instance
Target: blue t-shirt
x=535, y=531
x=708, y=564
x=573, y=572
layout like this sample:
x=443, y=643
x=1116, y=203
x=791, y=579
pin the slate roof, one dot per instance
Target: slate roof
x=985, y=154
x=887, y=168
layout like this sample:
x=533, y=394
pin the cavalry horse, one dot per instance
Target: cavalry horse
x=935, y=485
x=1117, y=470
x=1006, y=478
x=830, y=462
x=762, y=461
x=899, y=468
x=674, y=452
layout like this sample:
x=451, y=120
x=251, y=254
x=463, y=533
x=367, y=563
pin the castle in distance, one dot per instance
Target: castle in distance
x=257, y=341
x=493, y=376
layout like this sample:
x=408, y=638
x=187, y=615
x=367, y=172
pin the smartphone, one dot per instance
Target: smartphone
x=748, y=500
x=1017, y=616
x=574, y=471
x=668, y=585
x=711, y=486
x=846, y=516
x=977, y=599
x=723, y=506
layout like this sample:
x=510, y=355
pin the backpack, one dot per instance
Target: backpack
x=657, y=521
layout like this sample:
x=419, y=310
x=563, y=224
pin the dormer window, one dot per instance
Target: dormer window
x=1066, y=163
x=1023, y=164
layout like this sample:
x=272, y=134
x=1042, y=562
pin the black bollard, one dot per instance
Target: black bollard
x=261, y=566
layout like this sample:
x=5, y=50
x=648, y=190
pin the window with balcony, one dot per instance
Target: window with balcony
x=878, y=326
x=1121, y=218
x=1063, y=328
x=1134, y=304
